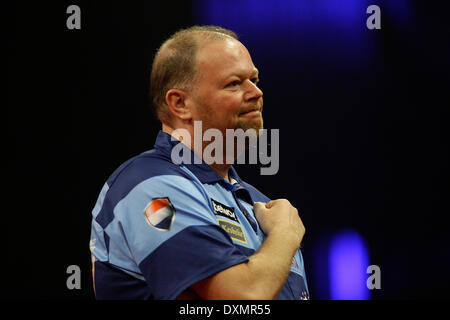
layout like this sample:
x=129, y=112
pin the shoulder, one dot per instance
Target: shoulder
x=143, y=177
x=142, y=167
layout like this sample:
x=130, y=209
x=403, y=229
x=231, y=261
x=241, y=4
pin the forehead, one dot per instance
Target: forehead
x=222, y=58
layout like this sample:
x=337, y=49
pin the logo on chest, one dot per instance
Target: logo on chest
x=234, y=230
x=223, y=210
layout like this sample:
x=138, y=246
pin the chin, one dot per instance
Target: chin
x=256, y=125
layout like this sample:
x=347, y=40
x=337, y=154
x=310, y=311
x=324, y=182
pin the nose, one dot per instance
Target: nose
x=253, y=92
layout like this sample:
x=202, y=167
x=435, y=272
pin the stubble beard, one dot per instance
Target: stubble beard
x=255, y=125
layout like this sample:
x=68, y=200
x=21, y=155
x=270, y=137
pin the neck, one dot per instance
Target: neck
x=221, y=169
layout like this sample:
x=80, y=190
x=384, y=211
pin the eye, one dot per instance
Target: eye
x=255, y=80
x=234, y=83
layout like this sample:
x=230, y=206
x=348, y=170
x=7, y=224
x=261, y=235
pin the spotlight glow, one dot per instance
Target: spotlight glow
x=348, y=262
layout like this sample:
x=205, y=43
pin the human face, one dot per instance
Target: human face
x=226, y=95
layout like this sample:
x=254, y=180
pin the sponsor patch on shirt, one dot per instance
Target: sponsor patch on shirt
x=160, y=213
x=234, y=230
x=222, y=210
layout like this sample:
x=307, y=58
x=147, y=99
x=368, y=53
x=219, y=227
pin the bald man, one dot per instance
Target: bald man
x=195, y=230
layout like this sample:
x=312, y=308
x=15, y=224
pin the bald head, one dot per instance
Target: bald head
x=174, y=63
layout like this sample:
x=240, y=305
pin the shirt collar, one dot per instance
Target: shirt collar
x=165, y=143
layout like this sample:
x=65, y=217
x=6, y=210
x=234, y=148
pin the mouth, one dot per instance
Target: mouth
x=251, y=112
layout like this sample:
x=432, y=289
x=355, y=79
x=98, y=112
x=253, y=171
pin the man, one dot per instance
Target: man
x=163, y=230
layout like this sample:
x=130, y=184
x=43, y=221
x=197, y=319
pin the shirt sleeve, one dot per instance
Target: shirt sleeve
x=172, y=234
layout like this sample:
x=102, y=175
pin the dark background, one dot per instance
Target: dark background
x=363, y=119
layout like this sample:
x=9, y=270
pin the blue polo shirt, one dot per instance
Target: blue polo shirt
x=160, y=227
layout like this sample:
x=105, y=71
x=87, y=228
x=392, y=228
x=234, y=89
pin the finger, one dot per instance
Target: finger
x=258, y=206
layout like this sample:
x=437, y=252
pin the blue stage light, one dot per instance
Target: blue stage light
x=348, y=261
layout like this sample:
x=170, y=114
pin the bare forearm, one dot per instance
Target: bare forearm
x=261, y=278
x=269, y=267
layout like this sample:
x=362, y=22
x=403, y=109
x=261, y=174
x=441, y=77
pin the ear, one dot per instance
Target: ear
x=176, y=100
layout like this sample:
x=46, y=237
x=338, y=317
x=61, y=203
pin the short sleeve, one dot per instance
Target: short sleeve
x=171, y=233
